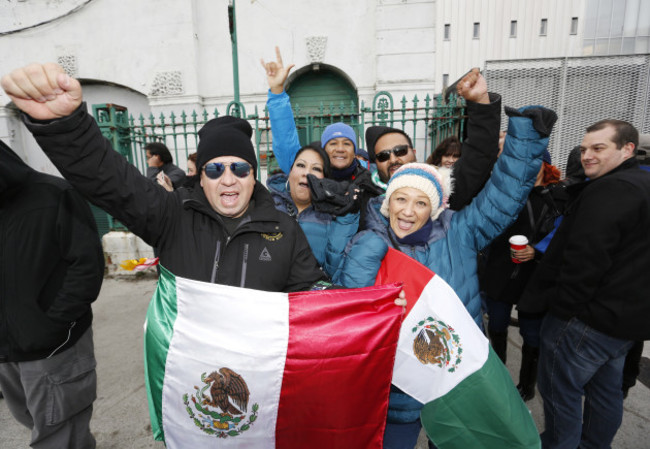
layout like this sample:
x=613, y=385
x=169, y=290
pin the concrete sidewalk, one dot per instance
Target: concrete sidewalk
x=121, y=417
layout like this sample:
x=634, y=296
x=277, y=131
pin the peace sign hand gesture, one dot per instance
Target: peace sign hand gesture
x=276, y=73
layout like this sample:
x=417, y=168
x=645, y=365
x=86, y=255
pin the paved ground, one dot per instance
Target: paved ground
x=121, y=420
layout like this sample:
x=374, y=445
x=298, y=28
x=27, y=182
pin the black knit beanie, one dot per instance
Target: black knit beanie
x=225, y=136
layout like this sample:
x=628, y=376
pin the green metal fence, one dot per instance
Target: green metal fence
x=427, y=121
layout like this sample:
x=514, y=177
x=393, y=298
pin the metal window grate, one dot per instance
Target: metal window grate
x=581, y=91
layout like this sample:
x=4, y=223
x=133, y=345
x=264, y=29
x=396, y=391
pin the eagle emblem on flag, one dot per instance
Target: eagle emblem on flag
x=223, y=412
x=437, y=343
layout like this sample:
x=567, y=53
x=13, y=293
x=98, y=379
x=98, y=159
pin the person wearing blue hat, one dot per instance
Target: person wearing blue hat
x=349, y=186
x=338, y=139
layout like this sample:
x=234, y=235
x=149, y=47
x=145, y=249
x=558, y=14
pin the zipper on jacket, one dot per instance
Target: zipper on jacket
x=4, y=325
x=215, y=265
x=243, y=266
x=66, y=340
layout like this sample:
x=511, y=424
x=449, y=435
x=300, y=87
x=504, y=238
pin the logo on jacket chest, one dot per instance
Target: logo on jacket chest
x=265, y=256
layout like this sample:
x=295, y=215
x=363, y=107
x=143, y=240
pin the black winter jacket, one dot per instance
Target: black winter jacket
x=51, y=262
x=596, y=266
x=479, y=151
x=176, y=175
x=268, y=250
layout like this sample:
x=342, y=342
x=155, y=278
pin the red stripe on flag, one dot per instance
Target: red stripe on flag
x=398, y=267
x=338, y=370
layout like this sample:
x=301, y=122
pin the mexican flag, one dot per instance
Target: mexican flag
x=232, y=367
x=444, y=361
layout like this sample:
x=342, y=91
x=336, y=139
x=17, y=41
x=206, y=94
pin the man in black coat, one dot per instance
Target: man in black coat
x=226, y=230
x=159, y=159
x=51, y=270
x=594, y=278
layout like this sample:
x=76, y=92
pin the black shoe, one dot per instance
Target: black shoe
x=1, y=395
x=528, y=372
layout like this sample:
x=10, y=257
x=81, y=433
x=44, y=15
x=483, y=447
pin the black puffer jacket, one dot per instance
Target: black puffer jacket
x=51, y=262
x=268, y=250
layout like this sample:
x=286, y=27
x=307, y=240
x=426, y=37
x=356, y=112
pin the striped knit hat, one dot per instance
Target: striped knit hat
x=435, y=183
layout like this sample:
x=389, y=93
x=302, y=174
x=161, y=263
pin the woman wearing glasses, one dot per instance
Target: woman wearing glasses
x=414, y=218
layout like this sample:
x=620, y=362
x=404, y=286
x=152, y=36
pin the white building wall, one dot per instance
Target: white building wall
x=174, y=55
x=462, y=52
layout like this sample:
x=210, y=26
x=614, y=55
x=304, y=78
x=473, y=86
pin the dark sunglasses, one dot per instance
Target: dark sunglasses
x=398, y=151
x=214, y=170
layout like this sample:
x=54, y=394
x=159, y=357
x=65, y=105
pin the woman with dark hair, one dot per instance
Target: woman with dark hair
x=327, y=234
x=446, y=153
x=191, y=164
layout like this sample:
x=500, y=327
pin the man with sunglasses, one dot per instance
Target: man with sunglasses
x=225, y=230
x=390, y=148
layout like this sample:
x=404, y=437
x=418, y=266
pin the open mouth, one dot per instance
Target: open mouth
x=229, y=198
x=405, y=225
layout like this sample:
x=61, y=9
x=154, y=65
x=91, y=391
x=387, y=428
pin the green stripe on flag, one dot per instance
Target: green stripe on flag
x=159, y=329
x=484, y=411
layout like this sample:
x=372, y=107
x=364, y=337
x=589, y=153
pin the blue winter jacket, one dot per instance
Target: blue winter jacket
x=456, y=237
x=327, y=234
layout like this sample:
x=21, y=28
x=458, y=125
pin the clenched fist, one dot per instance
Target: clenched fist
x=43, y=91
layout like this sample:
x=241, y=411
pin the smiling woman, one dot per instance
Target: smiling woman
x=414, y=218
x=309, y=161
x=327, y=233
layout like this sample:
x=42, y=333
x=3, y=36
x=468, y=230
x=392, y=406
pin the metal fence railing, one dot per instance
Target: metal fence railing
x=427, y=121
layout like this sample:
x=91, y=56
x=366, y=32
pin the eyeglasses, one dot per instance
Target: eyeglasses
x=214, y=170
x=398, y=151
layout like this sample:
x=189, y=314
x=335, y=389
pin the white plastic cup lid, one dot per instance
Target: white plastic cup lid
x=518, y=240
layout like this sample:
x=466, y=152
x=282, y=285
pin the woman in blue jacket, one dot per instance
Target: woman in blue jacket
x=327, y=234
x=414, y=217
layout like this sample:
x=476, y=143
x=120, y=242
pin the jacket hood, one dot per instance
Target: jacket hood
x=277, y=185
x=13, y=171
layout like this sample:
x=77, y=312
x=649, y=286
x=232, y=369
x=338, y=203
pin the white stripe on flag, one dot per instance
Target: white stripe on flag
x=253, y=326
x=440, y=314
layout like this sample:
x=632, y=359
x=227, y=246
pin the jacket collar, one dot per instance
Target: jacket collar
x=628, y=164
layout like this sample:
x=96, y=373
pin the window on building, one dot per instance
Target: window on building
x=513, y=28
x=447, y=31
x=542, y=27
x=477, y=30
x=574, y=25
x=445, y=80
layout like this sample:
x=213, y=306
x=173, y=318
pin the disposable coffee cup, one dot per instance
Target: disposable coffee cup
x=517, y=242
